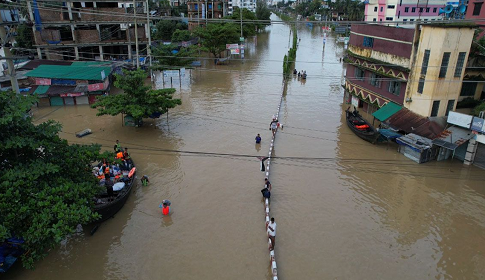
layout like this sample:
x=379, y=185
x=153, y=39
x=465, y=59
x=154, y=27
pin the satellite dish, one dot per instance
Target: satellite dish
x=461, y=9
x=448, y=9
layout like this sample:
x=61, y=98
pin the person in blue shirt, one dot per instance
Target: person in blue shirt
x=258, y=139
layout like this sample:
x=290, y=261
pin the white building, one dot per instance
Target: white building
x=247, y=4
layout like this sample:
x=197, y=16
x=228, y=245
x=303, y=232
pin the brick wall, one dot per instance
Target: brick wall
x=141, y=33
x=50, y=14
x=87, y=36
x=47, y=35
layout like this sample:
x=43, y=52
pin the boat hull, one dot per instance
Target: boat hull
x=370, y=135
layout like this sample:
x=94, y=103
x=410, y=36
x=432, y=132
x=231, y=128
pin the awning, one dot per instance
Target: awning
x=387, y=111
x=41, y=90
x=389, y=134
x=453, y=137
x=415, y=142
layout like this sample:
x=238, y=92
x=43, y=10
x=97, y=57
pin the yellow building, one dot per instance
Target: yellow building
x=440, y=53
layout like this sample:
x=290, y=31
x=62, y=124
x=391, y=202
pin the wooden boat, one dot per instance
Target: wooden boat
x=361, y=127
x=107, y=206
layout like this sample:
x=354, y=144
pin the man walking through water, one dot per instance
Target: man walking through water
x=273, y=125
x=272, y=233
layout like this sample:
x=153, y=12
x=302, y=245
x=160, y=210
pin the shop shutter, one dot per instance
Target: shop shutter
x=82, y=100
x=57, y=101
x=480, y=156
x=69, y=100
x=44, y=102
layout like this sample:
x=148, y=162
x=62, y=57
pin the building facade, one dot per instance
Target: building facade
x=403, y=10
x=420, y=69
x=199, y=12
x=242, y=4
x=102, y=29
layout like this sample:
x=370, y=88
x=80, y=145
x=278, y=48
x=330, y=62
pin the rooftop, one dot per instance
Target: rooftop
x=70, y=72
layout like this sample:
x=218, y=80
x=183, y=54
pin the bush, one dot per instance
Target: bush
x=478, y=109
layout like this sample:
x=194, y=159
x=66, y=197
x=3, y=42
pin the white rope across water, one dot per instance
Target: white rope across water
x=266, y=201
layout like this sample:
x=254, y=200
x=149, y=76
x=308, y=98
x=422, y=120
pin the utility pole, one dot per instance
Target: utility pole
x=136, y=37
x=149, y=50
x=241, y=49
x=8, y=57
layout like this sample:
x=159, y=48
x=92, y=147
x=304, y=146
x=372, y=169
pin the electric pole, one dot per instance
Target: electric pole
x=149, y=50
x=8, y=57
x=136, y=36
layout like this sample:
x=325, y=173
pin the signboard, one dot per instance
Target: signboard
x=340, y=29
x=478, y=124
x=241, y=39
x=182, y=72
x=42, y=82
x=61, y=82
x=355, y=101
x=234, y=51
x=170, y=73
x=71, y=94
x=203, y=10
x=460, y=119
x=232, y=46
x=96, y=87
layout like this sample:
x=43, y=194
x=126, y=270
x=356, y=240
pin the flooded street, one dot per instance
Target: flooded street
x=345, y=209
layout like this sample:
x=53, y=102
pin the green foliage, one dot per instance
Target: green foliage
x=181, y=35
x=24, y=38
x=167, y=59
x=262, y=12
x=46, y=185
x=138, y=100
x=289, y=60
x=478, y=44
x=215, y=36
x=165, y=28
x=468, y=102
x=284, y=17
x=249, y=29
x=352, y=10
x=177, y=10
x=478, y=109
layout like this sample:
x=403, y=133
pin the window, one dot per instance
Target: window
x=375, y=9
x=406, y=10
x=368, y=42
x=427, y=10
x=444, y=64
x=389, y=18
x=425, y=20
x=420, y=85
x=420, y=10
x=459, y=64
x=468, y=88
x=380, y=19
x=477, y=8
x=374, y=19
x=359, y=74
x=413, y=10
x=375, y=80
x=405, y=19
x=435, y=109
x=394, y=87
x=400, y=2
x=411, y=19
x=424, y=67
x=434, y=10
x=399, y=14
x=391, y=6
x=382, y=9
x=449, y=106
x=196, y=7
x=210, y=6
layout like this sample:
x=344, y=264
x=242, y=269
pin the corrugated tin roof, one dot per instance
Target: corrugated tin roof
x=415, y=141
x=37, y=62
x=69, y=72
x=410, y=122
x=453, y=137
x=41, y=90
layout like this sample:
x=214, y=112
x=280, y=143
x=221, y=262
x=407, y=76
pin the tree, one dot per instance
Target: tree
x=46, y=185
x=181, y=35
x=24, y=38
x=165, y=28
x=249, y=29
x=262, y=12
x=172, y=55
x=138, y=100
x=215, y=36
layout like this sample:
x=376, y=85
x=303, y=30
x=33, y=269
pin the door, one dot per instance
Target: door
x=480, y=156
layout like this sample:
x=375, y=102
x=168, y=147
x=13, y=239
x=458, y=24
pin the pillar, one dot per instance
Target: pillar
x=76, y=52
x=129, y=51
x=101, y=53
x=470, y=152
x=39, y=53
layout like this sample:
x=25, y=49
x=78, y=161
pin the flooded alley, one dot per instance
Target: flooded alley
x=345, y=209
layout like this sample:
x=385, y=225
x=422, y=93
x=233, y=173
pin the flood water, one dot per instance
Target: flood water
x=345, y=209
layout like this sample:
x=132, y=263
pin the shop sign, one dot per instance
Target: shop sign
x=460, y=119
x=478, y=124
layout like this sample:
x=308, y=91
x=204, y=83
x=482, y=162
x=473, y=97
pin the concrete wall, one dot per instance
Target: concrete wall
x=438, y=40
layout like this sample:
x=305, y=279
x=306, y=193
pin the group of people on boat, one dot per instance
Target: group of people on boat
x=301, y=74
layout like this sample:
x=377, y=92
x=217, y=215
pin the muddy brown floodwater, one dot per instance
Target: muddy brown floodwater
x=345, y=209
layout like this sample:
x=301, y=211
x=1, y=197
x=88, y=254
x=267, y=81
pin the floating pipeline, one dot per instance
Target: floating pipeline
x=274, y=270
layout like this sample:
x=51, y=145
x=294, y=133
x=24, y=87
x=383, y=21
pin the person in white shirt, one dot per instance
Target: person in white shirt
x=272, y=233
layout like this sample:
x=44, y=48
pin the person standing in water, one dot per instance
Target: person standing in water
x=165, y=207
x=258, y=139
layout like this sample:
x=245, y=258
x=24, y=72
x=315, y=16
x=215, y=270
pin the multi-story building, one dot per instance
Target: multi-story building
x=403, y=10
x=101, y=29
x=242, y=4
x=199, y=12
x=476, y=11
x=420, y=69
